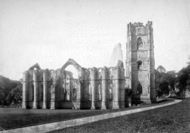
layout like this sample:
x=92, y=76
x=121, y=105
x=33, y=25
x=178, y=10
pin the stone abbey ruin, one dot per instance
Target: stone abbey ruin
x=97, y=88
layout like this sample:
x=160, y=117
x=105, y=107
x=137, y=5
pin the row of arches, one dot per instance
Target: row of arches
x=93, y=88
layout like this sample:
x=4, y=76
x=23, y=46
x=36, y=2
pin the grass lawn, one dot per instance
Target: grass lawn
x=171, y=119
x=11, y=118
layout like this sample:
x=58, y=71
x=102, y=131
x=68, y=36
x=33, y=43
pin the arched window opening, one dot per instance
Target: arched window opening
x=73, y=70
x=139, y=63
x=139, y=42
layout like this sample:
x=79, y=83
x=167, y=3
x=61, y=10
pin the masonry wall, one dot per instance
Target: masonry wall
x=140, y=66
x=95, y=88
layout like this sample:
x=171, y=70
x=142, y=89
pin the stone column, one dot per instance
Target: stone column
x=104, y=88
x=116, y=90
x=92, y=83
x=79, y=94
x=121, y=88
x=52, y=91
x=24, y=90
x=35, y=84
x=44, y=89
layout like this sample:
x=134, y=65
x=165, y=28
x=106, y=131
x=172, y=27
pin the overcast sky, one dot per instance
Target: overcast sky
x=51, y=31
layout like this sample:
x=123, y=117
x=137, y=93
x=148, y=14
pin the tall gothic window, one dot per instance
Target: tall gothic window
x=139, y=42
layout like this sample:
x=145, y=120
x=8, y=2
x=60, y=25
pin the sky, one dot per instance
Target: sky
x=49, y=32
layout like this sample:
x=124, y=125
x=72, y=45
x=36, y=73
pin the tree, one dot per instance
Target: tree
x=165, y=82
x=15, y=95
x=184, y=79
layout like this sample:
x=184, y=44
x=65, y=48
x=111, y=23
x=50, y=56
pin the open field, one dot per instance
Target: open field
x=171, y=119
x=11, y=118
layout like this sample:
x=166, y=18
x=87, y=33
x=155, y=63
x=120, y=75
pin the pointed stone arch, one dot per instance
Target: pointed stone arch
x=35, y=66
x=74, y=64
x=79, y=82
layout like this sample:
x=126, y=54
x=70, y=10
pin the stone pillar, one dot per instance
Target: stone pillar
x=115, y=104
x=44, y=89
x=35, y=84
x=121, y=88
x=24, y=90
x=92, y=83
x=79, y=94
x=104, y=88
x=52, y=91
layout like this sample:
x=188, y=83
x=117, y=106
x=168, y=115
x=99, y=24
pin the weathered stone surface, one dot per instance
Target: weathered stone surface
x=35, y=84
x=52, y=90
x=24, y=91
x=104, y=87
x=121, y=87
x=45, y=89
x=140, y=60
x=115, y=89
x=93, y=86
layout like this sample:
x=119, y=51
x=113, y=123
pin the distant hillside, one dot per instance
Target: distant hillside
x=6, y=87
x=6, y=83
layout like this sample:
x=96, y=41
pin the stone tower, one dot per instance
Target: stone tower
x=140, y=62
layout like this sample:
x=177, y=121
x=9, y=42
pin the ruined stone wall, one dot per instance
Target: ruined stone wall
x=95, y=88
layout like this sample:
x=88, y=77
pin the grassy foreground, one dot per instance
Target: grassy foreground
x=11, y=118
x=171, y=119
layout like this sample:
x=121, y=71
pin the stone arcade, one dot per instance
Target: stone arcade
x=96, y=88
